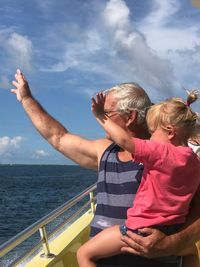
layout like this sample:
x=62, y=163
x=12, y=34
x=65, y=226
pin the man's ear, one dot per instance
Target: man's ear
x=132, y=117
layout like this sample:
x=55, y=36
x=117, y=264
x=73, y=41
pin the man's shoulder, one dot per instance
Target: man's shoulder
x=103, y=143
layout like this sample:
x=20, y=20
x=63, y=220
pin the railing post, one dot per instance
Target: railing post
x=92, y=204
x=45, y=244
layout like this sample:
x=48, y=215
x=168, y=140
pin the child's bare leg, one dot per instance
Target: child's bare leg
x=107, y=243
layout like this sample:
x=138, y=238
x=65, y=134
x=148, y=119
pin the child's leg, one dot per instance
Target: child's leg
x=107, y=243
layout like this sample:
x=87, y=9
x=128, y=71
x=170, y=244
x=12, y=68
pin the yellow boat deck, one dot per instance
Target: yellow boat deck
x=66, y=244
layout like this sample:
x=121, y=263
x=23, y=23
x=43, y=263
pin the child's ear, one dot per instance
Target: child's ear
x=171, y=132
x=132, y=117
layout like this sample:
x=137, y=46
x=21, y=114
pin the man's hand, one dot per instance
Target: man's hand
x=154, y=244
x=22, y=90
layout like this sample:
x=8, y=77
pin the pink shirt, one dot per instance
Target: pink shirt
x=170, y=178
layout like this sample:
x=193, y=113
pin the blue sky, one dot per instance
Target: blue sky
x=68, y=50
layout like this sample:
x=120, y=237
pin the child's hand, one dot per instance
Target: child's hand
x=97, y=105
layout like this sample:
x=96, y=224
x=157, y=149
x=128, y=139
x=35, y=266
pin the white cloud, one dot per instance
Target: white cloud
x=176, y=42
x=7, y=144
x=154, y=51
x=163, y=33
x=39, y=153
x=114, y=48
x=162, y=12
x=17, y=50
x=20, y=49
x=116, y=14
x=11, y=150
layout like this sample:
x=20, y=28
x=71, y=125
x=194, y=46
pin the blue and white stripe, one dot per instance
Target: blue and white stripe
x=116, y=188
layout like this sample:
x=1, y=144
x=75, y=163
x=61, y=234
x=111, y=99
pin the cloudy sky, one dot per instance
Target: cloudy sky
x=68, y=50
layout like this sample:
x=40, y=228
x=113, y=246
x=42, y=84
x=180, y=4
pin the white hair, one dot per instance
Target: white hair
x=131, y=96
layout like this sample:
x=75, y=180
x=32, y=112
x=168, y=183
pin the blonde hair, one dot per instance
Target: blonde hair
x=174, y=112
x=131, y=96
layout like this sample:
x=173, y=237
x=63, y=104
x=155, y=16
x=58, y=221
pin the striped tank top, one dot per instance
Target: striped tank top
x=116, y=188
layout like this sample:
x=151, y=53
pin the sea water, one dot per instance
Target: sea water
x=29, y=192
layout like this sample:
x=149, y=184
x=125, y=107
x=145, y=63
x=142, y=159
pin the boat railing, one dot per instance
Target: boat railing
x=41, y=224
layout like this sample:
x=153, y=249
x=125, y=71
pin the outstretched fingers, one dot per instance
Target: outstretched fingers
x=21, y=89
x=15, y=83
x=100, y=97
x=20, y=78
x=14, y=91
x=97, y=105
x=94, y=101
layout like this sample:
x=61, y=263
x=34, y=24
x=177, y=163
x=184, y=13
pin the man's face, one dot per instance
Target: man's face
x=110, y=108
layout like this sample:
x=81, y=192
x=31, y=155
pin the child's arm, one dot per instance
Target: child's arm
x=117, y=134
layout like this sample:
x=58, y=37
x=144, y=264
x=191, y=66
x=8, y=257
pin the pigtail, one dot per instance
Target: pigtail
x=193, y=117
x=192, y=97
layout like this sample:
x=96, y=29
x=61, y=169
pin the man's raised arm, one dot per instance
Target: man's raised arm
x=82, y=151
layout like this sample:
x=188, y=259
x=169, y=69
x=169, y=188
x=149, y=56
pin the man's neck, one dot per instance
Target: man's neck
x=140, y=131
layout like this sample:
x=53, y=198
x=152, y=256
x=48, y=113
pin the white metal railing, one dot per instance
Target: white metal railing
x=41, y=224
